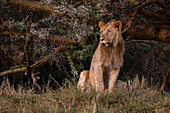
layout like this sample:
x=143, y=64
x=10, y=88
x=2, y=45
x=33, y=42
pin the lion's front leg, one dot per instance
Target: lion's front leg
x=98, y=78
x=83, y=80
x=112, y=79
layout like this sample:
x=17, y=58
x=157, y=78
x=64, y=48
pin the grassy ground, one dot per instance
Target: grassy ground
x=136, y=97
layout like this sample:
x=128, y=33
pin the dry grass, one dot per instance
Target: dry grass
x=137, y=97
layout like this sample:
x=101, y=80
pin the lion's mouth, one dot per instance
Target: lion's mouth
x=105, y=44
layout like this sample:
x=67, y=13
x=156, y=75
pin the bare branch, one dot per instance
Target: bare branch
x=28, y=69
x=139, y=61
x=165, y=80
x=150, y=14
x=35, y=81
x=142, y=4
x=149, y=34
x=3, y=24
x=154, y=16
x=130, y=21
x=35, y=66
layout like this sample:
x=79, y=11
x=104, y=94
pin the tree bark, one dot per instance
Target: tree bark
x=35, y=66
x=33, y=6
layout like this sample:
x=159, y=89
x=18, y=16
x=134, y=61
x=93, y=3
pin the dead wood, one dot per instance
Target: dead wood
x=14, y=33
x=145, y=3
x=33, y=6
x=150, y=33
x=148, y=13
x=57, y=39
x=35, y=66
x=165, y=80
x=3, y=24
x=35, y=81
x=36, y=6
x=154, y=16
x=130, y=21
x=28, y=69
x=147, y=30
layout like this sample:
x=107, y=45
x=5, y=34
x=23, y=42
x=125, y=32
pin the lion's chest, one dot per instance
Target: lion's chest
x=109, y=60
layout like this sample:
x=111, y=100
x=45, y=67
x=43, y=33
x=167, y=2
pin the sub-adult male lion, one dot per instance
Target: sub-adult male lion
x=107, y=59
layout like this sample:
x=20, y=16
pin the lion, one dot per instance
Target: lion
x=106, y=61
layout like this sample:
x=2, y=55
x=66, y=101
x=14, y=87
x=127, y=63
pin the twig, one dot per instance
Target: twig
x=146, y=3
x=150, y=70
x=35, y=81
x=165, y=80
x=55, y=81
x=141, y=5
x=28, y=69
x=118, y=7
x=3, y=24
x=25, y=24
x=130, y=21
x=138, y=62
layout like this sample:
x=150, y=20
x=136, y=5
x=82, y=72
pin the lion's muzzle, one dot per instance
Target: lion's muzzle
x=104, y=42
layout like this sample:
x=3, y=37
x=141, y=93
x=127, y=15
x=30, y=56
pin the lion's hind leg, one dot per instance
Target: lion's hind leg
x=83, y=80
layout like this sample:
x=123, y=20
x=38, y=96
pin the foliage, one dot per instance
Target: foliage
x=71, y=20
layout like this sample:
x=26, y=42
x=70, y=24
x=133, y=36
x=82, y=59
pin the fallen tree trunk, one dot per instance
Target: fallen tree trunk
x=33, y=6
x=35, y=66
x=36, y=6
x=156, y=33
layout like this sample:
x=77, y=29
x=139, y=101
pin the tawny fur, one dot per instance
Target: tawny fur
x=107, y=59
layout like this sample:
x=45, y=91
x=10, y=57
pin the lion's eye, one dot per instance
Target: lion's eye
x=108, y=31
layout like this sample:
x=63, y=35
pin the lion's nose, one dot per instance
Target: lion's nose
x=102, y=39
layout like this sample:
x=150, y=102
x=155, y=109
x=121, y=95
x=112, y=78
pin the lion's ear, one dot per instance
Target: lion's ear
x=118, y=24
x=101, y=24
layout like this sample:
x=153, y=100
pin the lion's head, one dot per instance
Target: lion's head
x=109, y=35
